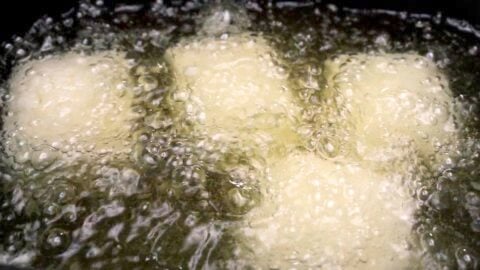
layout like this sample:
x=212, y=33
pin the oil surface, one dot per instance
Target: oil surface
x=179, y=198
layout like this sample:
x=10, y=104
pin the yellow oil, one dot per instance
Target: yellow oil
x=282, y=181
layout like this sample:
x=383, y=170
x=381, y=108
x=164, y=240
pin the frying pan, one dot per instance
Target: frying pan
x=18, y=16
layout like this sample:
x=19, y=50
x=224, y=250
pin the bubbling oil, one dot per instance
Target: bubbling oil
x=181, y=197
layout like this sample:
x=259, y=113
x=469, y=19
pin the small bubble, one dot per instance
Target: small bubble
x=148, y=159
x=466, y=259
x=332, y=7
x=475, y=225
x=52, y=210
x=472, y=199
x=42, y=159
x=191, y=220
x=237, y=198
x=148, y=82
x=382, y=40
x=473, y=50
x=87, y=42
x=68, y=22
x=423, y=193
x=55, y=241
x=21, y=52
x=438, y=200
x=145, y=207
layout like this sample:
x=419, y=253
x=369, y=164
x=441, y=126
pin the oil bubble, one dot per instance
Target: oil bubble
x=55, y=241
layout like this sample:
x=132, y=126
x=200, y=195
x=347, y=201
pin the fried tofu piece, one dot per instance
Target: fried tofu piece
x=71, y=102
x=234, y=87
x=318, y=213
x=390, y=102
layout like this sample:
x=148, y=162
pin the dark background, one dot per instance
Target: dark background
x=16, y=16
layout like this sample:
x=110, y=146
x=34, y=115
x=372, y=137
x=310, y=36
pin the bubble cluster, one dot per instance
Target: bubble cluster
x=216, y=136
